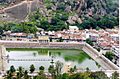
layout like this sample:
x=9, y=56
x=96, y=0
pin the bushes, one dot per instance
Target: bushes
x=96, y=22
x=89, y=42
x=109, y=55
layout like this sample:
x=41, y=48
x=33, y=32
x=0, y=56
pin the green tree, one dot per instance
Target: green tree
x=89, y=42
x=20, y=72
x=71, y=70
x=51, y=70
x=109, y=55
x=98, y=75
x=32, y=68
x=41, y=69
x=12, y=69
x=26, y=75
x=40, y=77
x=61, y=6
x=65, y=76
x=115, y=75
x=9, y=75
x=59, y=66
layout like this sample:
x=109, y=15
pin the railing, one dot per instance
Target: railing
x=29, y=59
x=107, y=61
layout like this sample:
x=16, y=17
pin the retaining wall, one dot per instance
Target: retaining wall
x=106, y=64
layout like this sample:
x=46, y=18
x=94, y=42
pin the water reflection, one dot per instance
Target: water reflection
x=75, y=57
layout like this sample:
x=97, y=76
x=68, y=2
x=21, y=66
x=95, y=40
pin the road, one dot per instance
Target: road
x=103, y=61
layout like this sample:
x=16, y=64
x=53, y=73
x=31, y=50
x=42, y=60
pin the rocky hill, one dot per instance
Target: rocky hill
x=82, y=8
x=55, y=15
x=10, y=1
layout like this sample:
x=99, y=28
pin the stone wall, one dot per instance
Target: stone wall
x=42, y=45
x=103, y=61
x=3, y=62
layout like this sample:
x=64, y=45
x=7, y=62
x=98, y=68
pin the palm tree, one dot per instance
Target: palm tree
x=26, y=75
x=20, y=72
x=41, y=69
x=32, y=68
x=12, y=69
x=59, y=66
x=51, y=70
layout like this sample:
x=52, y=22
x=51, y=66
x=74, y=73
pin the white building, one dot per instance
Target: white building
x=115, y=37
x=73, y=28
x=115, y=50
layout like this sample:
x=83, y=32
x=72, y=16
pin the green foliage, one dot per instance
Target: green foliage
x=26, y=75
x=89, y=41
x=20, y=72
x=26, y=27
x=57, y=21
x=80, y=57
x=1, y=29
x=98, y=49
x=58, y=68
x=109, y=55
x=41, y=70
x=112, y=5
x=115, y=75
x=65, y=76
x=12, y=69
x=32, y=68
x=108, y=22
x=61, y=6
x=40, y=77
x=51, y=70
x=98, y=75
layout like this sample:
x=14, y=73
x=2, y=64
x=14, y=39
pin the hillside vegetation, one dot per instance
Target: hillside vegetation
x=59, y=14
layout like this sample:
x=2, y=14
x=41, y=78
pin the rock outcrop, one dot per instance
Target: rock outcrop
x=81, y=7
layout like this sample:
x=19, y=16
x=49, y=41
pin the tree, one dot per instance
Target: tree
x=89, y=42
x=1, y=30
x=115, y=75
x=40, y=77
x=109, y=55
x=59, y=66
x=9, y=75
x=98, y=49
x=61, y=6
x=32, y=68
x=20, y=72
x=87, y=69
x=26, y=74
x=72, y=70
x=65, y=76
x=98, y=75
x=51, y=70
x=41, y=69
x=108, y=21
x=12, y=69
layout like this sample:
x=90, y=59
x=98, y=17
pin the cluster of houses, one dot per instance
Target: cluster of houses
x=105, y=39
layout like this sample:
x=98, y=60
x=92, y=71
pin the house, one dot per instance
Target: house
x=43, y=39
x=93, y=36
x=115, y=50
x=115, y=37
x=17, y=37
x=104, y=45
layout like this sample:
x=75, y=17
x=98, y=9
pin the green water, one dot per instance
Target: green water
x=72, y=57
